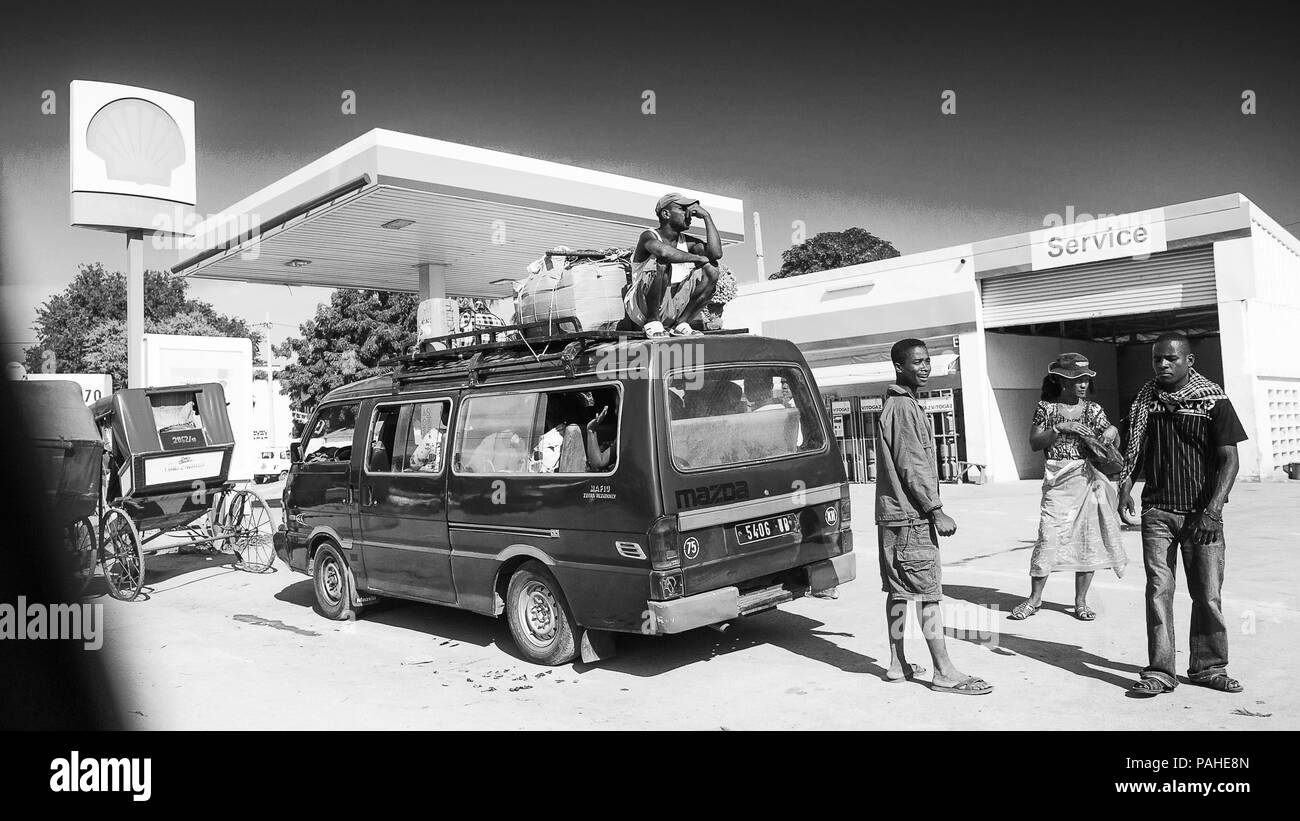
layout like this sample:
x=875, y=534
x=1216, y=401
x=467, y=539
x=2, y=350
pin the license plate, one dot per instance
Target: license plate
x=770, y=528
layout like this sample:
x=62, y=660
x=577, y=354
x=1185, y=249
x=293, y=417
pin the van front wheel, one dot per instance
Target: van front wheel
x=333, y=584
x=539, y=617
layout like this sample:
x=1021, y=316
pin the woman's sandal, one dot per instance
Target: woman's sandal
x=1221, y=682
x=1085, y=613
x=1148, y=687
x=1024, y=610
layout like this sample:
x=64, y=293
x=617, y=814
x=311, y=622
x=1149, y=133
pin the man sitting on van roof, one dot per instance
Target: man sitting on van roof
x=674, y=275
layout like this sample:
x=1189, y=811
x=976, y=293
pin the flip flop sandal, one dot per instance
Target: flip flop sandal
x=969, y=686
x=913, y=671
x=1222, y=682
x=1023, y=611
x=1085, y=613
x=1148, y=688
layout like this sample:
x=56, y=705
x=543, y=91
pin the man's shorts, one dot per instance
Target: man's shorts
x=675, y=299
x=909, y=561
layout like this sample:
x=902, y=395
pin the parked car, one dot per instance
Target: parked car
x=580, y=485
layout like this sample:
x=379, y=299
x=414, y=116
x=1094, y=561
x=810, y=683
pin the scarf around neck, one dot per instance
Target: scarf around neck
x=1198, y=389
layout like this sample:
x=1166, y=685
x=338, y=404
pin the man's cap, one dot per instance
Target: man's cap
x=668, y=199
x=1071, y=366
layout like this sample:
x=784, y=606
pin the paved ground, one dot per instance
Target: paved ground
x=216, y=648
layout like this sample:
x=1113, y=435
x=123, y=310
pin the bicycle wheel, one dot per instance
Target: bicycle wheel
x=121, y=555
x=249, y=530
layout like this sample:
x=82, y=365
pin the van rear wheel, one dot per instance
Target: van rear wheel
x=333, y=584
x=539, y=617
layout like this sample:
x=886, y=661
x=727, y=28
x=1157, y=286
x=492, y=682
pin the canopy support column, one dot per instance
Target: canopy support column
x=433, y=280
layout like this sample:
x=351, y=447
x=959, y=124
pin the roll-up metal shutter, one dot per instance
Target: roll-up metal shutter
x=1167, y=281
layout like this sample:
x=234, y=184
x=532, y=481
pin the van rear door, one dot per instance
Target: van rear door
x=755, y=481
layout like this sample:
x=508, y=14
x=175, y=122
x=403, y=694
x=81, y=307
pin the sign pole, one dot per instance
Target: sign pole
x=135, y=309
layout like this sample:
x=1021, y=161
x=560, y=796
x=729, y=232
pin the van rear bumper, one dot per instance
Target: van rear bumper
x=727, y=603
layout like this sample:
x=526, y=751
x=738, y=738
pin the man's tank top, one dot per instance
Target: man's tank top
x=680, y=270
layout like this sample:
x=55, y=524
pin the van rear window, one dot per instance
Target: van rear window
x=732, y=416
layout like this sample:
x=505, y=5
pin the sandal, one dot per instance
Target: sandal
x=969, y=686
x=1221, y=682
x=1084, y=613
x=911, y=673
x=1148, y=687
x=1024, y=610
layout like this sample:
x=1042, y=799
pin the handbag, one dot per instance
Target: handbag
x=1103, y=456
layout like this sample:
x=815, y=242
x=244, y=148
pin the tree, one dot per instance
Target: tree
x=83, y=328
x=345, y=343
x=833, y=249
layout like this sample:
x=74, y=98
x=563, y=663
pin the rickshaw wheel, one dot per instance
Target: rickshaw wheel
x=121, y=555
x=79, y=538
x=245, y=519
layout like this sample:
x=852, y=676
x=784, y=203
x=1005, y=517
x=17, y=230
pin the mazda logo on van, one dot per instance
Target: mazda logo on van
x=705, y=495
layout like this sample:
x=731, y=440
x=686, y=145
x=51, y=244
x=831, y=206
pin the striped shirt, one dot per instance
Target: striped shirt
x=1181, y=452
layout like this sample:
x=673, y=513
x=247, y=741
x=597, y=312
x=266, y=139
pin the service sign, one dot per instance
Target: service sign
x=94, y=386
x=937, y=404
x=189, y=467
x=132, y=158
x=1127, y=235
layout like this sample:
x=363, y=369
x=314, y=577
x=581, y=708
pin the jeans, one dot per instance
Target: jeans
x=1163, y=533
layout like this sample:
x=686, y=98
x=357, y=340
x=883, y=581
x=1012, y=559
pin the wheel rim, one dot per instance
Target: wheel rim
x=247, y=520
x=331, y=580
x=538, y=613
x=121, y=557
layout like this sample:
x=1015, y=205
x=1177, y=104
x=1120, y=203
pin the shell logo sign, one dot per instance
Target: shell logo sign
x=132, y=154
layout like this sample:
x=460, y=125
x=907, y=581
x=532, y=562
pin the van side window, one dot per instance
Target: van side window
x=493, y=433
x=382, y=439
x=426, y=435
x=330, y=437
x=579, y=432
x=564, y=432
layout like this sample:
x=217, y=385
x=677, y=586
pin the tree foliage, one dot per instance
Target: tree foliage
x=345, y=343
x=833, y=249
x=83, y=328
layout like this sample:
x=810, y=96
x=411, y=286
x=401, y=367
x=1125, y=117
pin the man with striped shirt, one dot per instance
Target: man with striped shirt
x=1183, y=432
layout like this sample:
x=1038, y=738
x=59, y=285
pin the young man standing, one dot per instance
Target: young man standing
x=673, y=275
x=1183, y=429
x=910, y=518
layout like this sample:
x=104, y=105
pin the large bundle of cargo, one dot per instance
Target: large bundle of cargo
x=586, y=286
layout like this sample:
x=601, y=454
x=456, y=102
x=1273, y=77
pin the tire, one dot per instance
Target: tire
x=284, y=474
x=245, y=519
x=539, y=617
x=121, y=555
x=333, y=584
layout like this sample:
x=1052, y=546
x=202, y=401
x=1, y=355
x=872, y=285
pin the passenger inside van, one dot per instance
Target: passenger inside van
x=427, y=434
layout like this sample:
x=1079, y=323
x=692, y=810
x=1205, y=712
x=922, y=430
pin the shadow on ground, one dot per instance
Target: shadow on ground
x=637, y=655
x=1071, y=658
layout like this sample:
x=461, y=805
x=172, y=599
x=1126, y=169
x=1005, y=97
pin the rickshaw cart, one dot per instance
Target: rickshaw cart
x=69, y=457
x=169, y=465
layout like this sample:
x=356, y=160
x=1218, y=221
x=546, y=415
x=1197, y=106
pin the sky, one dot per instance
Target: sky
x=819, y=113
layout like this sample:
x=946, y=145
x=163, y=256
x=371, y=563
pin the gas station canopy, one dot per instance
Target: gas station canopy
x=397, y=212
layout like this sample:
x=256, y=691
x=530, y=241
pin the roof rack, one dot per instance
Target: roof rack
x=507, y=349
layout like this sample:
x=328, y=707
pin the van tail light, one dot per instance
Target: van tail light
x=846, y=508
x=663, y=538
